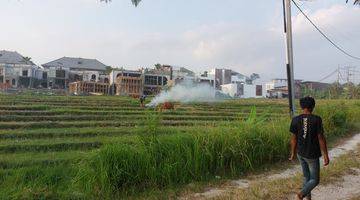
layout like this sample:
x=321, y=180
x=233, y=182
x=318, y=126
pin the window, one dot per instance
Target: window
x=60, y=73
x=93, y=77
x=13, y=82
x=44, y=76
x=25, y=73
x=240, y=89
x=151, y=80
x=259, y=90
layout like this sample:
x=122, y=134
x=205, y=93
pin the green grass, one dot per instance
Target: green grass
x=61, y=147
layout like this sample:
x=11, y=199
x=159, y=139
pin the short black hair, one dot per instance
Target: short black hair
x=307, y=102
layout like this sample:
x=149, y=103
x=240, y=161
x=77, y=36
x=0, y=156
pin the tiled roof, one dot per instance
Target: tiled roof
x=13, y=57
x=77, y=63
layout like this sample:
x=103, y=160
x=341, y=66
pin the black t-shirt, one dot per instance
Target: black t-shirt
x=307, y=128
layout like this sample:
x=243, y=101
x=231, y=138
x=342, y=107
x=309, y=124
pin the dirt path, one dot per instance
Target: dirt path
x=348, y=188
x=351, y=182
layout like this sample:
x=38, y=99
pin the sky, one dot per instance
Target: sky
x=246, y=36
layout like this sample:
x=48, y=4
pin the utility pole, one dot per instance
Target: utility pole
x=289, y=55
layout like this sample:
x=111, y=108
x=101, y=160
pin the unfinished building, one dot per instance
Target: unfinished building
x=85, y=87
x=17, y=71
x=129, y=83
x=153, y=83
x=65, y=70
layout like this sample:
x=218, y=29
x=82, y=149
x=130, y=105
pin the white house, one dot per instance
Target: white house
x=238, y=85
x=17, y=70
x=243, y=90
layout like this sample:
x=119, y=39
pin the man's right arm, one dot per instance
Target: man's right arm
x=293, y=140
x=293, y=145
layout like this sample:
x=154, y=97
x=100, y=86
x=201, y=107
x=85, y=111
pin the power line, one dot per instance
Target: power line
x=323, y=34
x=328, y=76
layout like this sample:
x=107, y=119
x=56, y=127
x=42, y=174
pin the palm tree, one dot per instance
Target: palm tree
x=356, y=2
x=135, y=2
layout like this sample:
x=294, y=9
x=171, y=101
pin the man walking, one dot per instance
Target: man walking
x=307, y=142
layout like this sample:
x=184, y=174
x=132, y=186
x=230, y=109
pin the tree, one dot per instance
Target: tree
x=108, y=69
x=335, y=90
x=28, y=59
x=356, y=2
x=254, y=76
x=158, y=66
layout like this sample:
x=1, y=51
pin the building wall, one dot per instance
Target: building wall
x=87, y=75
x=231, y=90
x=18, y=75
x=238, y=90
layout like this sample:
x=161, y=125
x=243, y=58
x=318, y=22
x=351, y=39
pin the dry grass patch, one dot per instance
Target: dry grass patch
x=283, y=188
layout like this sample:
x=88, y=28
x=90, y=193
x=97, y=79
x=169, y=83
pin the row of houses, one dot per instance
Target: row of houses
x=17, y=71
x=82, y=76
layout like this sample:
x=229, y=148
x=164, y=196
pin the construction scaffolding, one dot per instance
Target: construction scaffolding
x=129, y=86
x=83, y=87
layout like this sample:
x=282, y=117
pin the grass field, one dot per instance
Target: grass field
x=81, y=147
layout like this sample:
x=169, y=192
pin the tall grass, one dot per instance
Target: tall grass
x=229, y=150
x=197, y=155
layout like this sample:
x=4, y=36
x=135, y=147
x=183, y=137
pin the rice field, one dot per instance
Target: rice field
x=70, y=147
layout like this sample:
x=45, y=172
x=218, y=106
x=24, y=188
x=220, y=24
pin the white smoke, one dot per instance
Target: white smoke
x=186, y=93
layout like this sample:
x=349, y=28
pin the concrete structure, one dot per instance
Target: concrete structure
x=236, y=84
x=129, y=83
x=62, y=71
x=18, y=71
x=207, y=78
x=278, y=88
x=153, y=83
x=241, y=90
x=315, y=86
x=222, y=76
x=85, y=87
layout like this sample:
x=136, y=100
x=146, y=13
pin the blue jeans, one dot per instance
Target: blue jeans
x=311, y=171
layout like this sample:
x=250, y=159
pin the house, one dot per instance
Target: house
x=17, y=71
x=315, y=86
x=243, y=90
x=65, y=70
x=278, y=88
x=154, y=82
x=206, y=78
x=165, y=75
x=222, y=76
x=237, y=85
